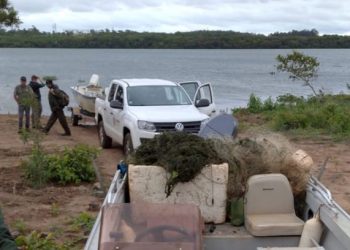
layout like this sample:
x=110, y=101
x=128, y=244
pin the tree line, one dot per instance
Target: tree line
x=33, y=38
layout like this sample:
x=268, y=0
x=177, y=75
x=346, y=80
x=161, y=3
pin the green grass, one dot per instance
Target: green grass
x=84, y=221
x=327, y=115
x=38, y=241
x=20, y=226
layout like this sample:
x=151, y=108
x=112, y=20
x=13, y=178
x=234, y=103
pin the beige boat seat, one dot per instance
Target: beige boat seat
x=269, y=207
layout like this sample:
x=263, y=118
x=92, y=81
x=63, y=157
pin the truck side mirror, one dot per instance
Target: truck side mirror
x=202, y=103
x=116, y=104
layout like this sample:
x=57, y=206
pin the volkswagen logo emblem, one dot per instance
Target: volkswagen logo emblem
x=179, y=126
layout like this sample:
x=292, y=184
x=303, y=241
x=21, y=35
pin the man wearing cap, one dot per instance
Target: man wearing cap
x=56, y=109
x=24, y=97
x=37, y=107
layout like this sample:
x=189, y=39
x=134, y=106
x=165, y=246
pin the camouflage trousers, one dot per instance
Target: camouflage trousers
x=36, y=114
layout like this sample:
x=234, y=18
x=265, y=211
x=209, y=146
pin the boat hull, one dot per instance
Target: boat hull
x=86, y=97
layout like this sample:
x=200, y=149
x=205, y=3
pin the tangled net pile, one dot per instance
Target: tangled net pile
x=182, y=155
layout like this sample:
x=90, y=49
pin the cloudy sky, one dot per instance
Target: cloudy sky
x=258, y=16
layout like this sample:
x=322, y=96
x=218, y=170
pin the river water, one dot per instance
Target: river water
x=234, y=74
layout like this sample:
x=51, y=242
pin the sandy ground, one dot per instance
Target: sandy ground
x=32, y=209
x=50, y=209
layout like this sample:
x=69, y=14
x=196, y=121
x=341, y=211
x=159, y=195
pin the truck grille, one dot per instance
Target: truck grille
x=189, y=127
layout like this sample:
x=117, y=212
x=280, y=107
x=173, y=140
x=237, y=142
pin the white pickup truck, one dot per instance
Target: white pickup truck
x=134, y=110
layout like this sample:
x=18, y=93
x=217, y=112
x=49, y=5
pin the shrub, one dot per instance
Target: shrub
x=328, y=114
x=35, y=168
x=255, y=105
x=268, y=105
x=289, y=100
x=73, y=165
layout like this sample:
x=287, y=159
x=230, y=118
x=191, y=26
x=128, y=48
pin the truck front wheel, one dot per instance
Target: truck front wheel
x=128, y=148
x=105, y=140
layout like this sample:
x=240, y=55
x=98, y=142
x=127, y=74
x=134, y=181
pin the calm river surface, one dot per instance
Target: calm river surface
x=234, y=74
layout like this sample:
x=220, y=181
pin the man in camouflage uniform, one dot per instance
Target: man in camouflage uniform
x=6, y=240
x=24, y=97
x=56, y=108
x=37, y=107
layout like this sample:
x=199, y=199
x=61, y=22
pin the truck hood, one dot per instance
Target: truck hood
x=178, y=113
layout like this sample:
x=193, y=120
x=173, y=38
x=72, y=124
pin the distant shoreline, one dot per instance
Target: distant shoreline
x=203, y=39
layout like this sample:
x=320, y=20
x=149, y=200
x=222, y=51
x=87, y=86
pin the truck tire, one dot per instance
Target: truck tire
x=128, y=147
x=105, y=140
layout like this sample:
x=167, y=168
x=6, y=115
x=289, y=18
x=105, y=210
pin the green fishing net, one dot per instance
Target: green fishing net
x=182, y=155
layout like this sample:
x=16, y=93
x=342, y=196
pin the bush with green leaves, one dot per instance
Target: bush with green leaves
x=329, y=114
x=72, y=166
x=35, y=167
x=256, y=105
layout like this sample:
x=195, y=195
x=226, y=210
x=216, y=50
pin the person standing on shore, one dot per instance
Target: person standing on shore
x=55, y=100
x=36, y=107
x=24, y=96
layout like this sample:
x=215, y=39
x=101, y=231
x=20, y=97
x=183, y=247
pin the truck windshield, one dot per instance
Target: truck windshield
x=157, y=96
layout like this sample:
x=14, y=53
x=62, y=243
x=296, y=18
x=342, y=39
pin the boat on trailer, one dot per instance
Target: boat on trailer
x=123, y=225
x=85, y=95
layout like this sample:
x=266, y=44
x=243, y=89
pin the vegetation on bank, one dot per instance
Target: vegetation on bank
x=327, y=114
x=33, y=38
x=79, y=226
x=317, y=114
x=71, y=166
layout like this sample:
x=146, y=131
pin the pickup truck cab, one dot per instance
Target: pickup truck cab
x=134, y=110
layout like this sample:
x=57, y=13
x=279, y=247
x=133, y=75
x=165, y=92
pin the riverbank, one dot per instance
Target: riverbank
x=53, y=209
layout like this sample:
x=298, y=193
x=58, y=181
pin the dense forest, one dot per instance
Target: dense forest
x=33, y=38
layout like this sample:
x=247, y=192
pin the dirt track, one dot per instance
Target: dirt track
x=34, y=207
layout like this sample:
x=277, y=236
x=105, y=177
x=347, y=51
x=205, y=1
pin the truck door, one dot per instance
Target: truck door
x=205, y=92
x=118, y=115
x=190, y=88
x=108, y=111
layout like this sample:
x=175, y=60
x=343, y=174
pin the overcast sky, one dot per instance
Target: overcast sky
x=257, y=16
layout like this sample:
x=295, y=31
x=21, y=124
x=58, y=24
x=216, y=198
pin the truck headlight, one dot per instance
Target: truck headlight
x=204, y=122
x=148, y=126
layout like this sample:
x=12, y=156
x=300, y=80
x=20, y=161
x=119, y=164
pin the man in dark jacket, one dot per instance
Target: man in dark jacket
x=6, y=240
x=56, y=109
x=36, y=107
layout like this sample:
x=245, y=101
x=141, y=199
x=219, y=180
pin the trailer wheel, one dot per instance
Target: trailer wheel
x=105, y=140
x=75, y=119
